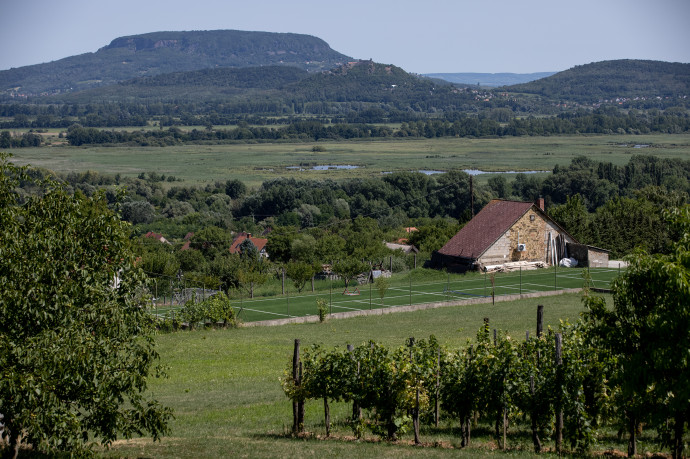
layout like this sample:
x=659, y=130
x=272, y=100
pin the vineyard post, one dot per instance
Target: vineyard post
x=535, y=430
x=438, y=386
x=540, y=320
x=559, y=392
x=297, y=403
x=465, y=420
x=415, y=410
x=356, y=410
x=330, y=297
x=283, y=281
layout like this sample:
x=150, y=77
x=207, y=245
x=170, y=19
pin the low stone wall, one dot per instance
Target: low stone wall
x=414, y=307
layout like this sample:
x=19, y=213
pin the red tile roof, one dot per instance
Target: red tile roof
x=258, y=242
x=485, y=228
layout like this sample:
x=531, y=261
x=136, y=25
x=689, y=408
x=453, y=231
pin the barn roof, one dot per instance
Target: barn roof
x=485, y=228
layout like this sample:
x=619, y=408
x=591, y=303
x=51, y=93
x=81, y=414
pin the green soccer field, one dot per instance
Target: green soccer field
x=409, y=289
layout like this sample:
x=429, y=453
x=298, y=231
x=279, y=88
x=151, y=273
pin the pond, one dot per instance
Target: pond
x=323, y=167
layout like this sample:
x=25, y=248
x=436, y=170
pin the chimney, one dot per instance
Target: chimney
x=540, y=203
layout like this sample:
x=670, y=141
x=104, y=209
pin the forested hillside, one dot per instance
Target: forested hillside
x=611, y=80
x=166, y=52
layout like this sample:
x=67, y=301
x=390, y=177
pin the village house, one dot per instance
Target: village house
x=507, y=232
x=259, y=243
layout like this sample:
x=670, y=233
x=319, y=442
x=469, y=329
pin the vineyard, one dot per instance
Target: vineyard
x=556, y=383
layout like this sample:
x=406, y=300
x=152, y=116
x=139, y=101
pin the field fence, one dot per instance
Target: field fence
x=401, y=290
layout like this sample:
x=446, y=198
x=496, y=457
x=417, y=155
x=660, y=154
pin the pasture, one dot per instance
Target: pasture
x=254, y=163
x=224, y=388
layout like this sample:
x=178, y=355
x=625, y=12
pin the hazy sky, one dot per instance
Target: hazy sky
x=427, y=36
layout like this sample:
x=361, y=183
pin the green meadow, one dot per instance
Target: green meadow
x=254, y=163
x=224, y=385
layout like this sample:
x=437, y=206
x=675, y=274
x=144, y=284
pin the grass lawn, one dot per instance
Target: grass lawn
x=255, y=163
x=415, y=287
x=224, y=388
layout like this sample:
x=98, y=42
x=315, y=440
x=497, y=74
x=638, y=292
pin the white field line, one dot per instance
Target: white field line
x=266, y=312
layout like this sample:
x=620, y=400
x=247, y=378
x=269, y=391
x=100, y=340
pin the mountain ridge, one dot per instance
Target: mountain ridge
x=157, y=53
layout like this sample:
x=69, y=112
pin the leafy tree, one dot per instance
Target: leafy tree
x=573, y=216
x=190, y=260
x=349, y=268
x=500, y=186
x=382, y=284
x=279, y=245
x=648, y=331
x=300, y=272
x=433, y=236
x=235, y=189
x=76, y=349
x=138, y=212
x=304, y=248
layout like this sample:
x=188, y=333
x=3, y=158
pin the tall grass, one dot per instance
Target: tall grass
x=255, y=163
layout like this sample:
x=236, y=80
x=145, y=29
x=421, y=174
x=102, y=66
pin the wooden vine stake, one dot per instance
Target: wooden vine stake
x=297, y=403
x=415, y=410
x=438, y=387
x=356, y=410
x=559, y=401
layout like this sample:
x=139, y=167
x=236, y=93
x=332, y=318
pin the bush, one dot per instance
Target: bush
x=322, y=307
x=215, y=309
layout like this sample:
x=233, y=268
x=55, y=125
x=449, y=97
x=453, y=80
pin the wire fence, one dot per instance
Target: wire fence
x=411, y=288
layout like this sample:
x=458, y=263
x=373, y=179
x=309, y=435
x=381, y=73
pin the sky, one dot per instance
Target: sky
x=430, y=36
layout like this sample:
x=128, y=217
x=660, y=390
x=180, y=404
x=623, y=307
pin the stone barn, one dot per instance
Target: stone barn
x=503, y=232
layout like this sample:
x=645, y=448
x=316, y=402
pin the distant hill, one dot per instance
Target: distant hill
x=166, y=52
x=271, y=87
x=489, y=79
x=216, y=84
x=612, y=79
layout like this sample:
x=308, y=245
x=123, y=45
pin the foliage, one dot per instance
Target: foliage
x=647, y=332
x=349, y=268
x=382, y=285
x=76, y=347
x=322, y=308
x=214, y=309
x=300, y=272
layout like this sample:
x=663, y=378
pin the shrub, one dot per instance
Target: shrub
x=322, y=308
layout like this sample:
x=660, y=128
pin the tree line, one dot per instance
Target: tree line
x=583, y=122
x=313, y=222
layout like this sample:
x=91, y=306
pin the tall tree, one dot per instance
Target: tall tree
x=76, y=346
